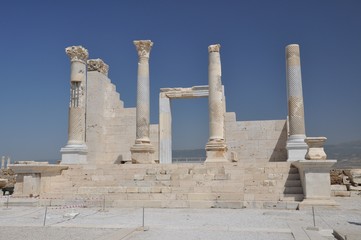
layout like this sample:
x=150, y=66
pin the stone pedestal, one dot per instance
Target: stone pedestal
x=316, y=182
x=76, y=150
x=216, y=147
x=143, y=151
x=315, y=148
x=296, y=147
x=74, y=154
x=30, y=176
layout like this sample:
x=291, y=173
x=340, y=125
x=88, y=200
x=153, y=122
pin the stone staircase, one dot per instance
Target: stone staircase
x=227, y=185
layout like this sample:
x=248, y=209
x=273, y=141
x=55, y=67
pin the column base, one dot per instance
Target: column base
x=296, y=149
x=74, y=154
x=216, y=151
x=142, y=153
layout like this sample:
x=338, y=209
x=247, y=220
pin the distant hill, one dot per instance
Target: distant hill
x=189, y=153
x=348, y=154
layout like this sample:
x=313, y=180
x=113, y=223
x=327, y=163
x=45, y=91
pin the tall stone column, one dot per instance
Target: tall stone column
x=296, y=146
x=143, y=151
x=216, y=147
x=76, y=150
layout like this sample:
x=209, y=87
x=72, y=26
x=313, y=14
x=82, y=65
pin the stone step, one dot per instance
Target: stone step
x=292, y=197
x=293, y=183
x=293, y=176
x=293, y=190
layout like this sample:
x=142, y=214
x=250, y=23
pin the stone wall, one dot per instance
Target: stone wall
x=256, y=141
x=110, y=128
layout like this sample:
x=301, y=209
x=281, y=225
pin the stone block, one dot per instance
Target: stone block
x=202, y=196
x=175, y=204
x=132, y=189
x=138, y=177
x=138, y=196
x=337, y=193
x=201, y=204
x=229, y=204
x=166, y=190
x=161, y=177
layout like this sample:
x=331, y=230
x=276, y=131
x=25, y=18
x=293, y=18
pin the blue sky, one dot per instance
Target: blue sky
x=34, y=71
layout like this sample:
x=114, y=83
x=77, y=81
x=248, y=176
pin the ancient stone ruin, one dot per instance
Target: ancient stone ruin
x=115, y=152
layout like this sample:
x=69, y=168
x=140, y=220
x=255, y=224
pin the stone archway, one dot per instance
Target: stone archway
x=165, y=116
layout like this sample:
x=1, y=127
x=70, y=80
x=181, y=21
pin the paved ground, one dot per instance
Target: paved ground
x=18, y=222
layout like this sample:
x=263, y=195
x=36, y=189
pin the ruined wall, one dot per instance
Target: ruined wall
x=256, y=141
x=110, y=128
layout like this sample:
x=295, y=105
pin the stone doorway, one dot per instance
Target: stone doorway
x=165, y=116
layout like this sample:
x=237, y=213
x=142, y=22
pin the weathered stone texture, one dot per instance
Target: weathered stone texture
x=256, y=141
x=110, y=127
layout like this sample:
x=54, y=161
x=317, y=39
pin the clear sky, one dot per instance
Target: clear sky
x=35, y=70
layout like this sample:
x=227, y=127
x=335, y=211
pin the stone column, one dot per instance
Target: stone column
x=165, y=129
x=143, y=151
x=8, y=163
x=216, y=147
x=3, y=162
x=296, y=146
x=75, y=151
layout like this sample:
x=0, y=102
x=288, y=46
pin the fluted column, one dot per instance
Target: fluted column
x=216, y=147
x=75, y=150
x=296, y=146
x=142, y=150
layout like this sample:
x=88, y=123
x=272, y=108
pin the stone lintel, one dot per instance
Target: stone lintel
x=98, y=65
x=77, y=53
x=192, y=92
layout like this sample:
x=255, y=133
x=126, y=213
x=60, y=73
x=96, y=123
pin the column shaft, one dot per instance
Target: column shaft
x=143, y=99
x=142, y=150
x=296, y=146
x=216, y=147
x=75, y=150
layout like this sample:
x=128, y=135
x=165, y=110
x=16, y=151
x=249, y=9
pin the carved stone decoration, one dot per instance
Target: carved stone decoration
x=98, y=65
x=214, y=48
x=143, y=47
x=77, y=53
x=315, y=148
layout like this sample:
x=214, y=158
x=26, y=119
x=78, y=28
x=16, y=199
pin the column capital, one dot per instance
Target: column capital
x=214, y=48
x=98, y=65
x=77, y=53
x=143, y=47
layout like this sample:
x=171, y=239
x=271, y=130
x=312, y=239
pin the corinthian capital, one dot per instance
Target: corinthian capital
x=214, y=48
x=143, y=47
x=98, y=65
x=77, y=53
